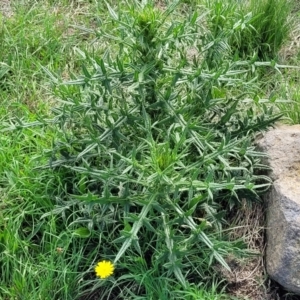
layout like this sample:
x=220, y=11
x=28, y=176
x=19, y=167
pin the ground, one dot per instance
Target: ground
x=248, y=277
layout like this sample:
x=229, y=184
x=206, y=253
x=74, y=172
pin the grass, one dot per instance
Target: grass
x=167, y=237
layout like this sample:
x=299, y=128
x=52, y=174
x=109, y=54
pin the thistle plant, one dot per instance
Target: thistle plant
x=155, y=145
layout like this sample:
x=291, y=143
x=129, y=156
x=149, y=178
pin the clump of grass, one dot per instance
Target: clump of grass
x=39, y=257
x=270, y=28
x=289, y=92
x=253, y=28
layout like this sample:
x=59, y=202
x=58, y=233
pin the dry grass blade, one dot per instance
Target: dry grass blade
x=246, y=281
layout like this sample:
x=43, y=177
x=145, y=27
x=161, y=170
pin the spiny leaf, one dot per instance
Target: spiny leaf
x=135, y=228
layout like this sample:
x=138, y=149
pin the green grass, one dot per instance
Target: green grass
x=252, y=28
x=155, y=195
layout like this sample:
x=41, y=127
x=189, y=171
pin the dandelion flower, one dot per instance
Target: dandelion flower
x=104, y=269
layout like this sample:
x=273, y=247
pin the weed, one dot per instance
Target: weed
x=143, y=138
x=145, y=152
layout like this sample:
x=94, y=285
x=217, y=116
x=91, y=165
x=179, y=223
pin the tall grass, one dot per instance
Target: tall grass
x=252, y=28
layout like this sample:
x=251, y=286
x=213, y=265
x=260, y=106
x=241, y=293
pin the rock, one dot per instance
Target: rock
x=282, y=145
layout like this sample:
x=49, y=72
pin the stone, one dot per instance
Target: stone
x=282, y=145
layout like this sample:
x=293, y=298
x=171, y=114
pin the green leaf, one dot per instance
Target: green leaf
x=4, y=69
x=230, y=111
x=51, y=76
x=112, y=12
x=174, y=263
x=81, y=232
x=87, y=150
x=197, y=230
x=135, y=229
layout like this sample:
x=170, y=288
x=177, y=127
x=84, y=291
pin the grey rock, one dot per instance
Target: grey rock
x=282, y=146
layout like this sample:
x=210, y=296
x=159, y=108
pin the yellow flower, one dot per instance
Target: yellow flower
x=104, y=269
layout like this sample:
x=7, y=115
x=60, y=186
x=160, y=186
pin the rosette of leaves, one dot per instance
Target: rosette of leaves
x=155, y=145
